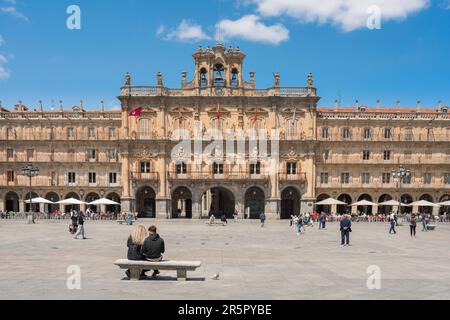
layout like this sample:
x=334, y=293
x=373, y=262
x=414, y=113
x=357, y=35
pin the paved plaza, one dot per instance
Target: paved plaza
x=254, y=263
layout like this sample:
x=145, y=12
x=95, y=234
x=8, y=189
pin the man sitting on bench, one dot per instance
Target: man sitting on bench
x=153, y=248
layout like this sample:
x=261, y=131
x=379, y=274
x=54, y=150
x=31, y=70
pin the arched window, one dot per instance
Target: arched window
x=203, y=81
x=144, y=129
x=234, y=78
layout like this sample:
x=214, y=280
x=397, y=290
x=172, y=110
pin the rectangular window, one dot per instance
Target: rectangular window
x=326, y=155
x=447, y=178
x=112, y=154
x=54, y=180
x=92, y=177
x=386, y=178
x=345, y=178
x=366, y=155
x=217, y=168
x=181, y=168
x=291, y=168
x=387, y=133
x=10, y=132
x=92, y=154
x=346, y=133
x=407, y=179
x=145, y=167
x=71, y=177
x=427, y=177
x=112, y=133
x=91, y=132
x=387, y=155
x=11, y=176
x=325, y=133
x=112, y=177
x=324, y=177
x=367, y=133
x=70, y=133
x=30, y=154
x=255, y=168
x=10, y=153
x=365, y=178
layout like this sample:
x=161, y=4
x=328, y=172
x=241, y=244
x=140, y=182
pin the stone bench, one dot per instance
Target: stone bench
x=222, y=224
x=181, y=267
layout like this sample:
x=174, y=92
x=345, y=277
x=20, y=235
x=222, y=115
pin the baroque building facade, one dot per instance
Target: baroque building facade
x=147, y=155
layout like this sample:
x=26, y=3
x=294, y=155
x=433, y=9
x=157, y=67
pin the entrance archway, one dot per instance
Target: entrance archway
x=406, y=199
x=427, y=210
x=384, y=209
x=343, y=209
x=365, y=209
x=113, y=208
x=70, y=207
x=53, y=197
x=255, y=201
x=145, y=203
x=320, y=209
x=91, y=197
x=290, y=202
x=219, y=201
x=12, y=202
x=182, y=203
x=34, y=206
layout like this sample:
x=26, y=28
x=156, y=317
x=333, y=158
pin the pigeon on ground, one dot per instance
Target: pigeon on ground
x=216, y=277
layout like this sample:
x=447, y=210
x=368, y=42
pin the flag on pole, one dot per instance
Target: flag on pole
x=137, y=112
x=255, y=117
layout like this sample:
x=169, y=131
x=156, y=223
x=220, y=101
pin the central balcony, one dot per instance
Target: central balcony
x=207, y=176
x=147, y=176
x=298, y=177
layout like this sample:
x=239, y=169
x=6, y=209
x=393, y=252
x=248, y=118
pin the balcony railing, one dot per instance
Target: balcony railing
x=394, y=138
x=199, y=175
x=299, y=177
x=149, y=176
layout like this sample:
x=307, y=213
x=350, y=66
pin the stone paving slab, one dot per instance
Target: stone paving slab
x=253, y=262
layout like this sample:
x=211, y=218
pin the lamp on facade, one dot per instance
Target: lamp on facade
x=30, y=171
x=401, y=173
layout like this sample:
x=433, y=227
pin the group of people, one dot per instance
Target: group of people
x=301, y=221
x=77, y=226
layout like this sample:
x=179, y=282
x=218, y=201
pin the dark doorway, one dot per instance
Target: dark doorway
x=290, y=203
x=146, y=203
x=254, y=202
x=182, y=203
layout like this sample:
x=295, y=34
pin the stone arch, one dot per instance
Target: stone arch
x=114, y=197
x=182, y=202
x=365, y=209
x=11, y=202
x=384, y=209
x=54, y=197
x=426, y=197
x=290, y=202
x=444, y=198
x=218, y=200
x=146, y=202
x=254, y=201
x=320, y=209
x=342, y=209
x=68, y=208
x=90, y=197
x=406, y=199
x=34, y=206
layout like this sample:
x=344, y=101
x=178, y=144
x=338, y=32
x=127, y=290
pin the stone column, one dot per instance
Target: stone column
x=21, y=206
x=83, y=207
x=272, y=209
x=436, y=211
x=415, y=209
x=197, y=207
x=41, y=207
x=125, y=176
x=2, y=205
x=334, y=208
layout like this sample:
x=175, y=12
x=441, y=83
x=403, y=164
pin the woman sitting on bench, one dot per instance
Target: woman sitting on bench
x=134, y=244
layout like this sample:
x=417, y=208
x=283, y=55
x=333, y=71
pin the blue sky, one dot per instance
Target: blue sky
x=407, y=59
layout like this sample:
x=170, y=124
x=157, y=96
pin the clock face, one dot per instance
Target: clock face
x=219, y=91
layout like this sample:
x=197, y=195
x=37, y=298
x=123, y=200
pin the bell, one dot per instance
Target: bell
x=219, y=77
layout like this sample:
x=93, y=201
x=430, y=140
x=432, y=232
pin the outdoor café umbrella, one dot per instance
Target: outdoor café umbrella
x=40, y=200
x=424, y=203
x=71, y=201
x=445, y=204
x=364, y=203
x=393, y=203
x=104, y=201
x=330, y=202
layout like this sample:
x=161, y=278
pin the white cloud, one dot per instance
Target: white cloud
x=349, y=15
x=11, y=10
x=4, y=73
x=161, y=29
x=250, y=28
x=186, y=31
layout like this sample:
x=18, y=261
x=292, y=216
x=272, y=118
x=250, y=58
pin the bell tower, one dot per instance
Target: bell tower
x=218, y=66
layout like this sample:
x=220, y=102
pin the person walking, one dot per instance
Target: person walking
x=74, y=226
x=346, y=228
x=298, y=225
x=262, y=218
x=322, y=221
x=80, y=231
x=392, y=223
x=413, y=225
x=153, y=248
x=424, y=223
x=235, y=216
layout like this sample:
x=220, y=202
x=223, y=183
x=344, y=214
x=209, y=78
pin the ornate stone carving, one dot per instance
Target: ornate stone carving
x=145, y=154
